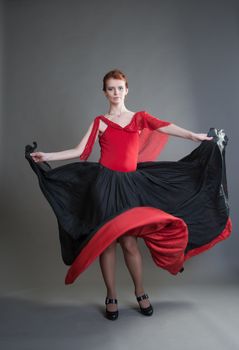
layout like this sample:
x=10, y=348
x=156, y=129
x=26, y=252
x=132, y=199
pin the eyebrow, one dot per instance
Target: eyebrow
x=116, y=86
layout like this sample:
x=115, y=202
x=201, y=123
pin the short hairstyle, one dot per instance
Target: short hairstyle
x=115, y=74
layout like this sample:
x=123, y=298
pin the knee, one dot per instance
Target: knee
x=110, y=248
x=129, y=244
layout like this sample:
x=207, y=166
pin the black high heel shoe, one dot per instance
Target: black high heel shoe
x=111, y=315
x=147, y=311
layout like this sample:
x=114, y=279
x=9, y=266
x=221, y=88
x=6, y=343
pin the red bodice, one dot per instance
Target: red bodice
x=123, y=147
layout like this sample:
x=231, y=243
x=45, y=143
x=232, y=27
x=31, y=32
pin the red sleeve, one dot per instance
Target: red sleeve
x=151, y=140
x=151, y=122
x=91, y=140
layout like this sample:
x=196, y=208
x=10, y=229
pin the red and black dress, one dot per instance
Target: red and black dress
x=179, y=208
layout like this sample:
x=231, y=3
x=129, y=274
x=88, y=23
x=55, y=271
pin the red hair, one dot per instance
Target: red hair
x=115, y=74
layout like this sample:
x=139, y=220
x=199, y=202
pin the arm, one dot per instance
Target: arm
x=62, y=155
x=175, y=130
x=153, y=123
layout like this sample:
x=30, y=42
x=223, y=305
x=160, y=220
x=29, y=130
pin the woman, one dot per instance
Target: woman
x=128, y=195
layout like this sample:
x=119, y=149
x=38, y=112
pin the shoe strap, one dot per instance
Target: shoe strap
x=142, y=297
x=110, y=301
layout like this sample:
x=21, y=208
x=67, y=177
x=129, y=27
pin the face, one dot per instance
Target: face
x=115, y=90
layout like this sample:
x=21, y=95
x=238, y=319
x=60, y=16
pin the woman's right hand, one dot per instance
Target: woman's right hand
x=39, y=157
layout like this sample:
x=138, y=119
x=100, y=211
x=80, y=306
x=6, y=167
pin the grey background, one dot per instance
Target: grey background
x=181, y=59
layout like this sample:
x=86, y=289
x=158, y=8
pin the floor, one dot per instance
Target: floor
x=62, y=317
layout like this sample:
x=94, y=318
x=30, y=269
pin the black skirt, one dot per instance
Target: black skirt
x=180, y=208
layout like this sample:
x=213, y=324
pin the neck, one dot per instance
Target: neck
x=117, y=109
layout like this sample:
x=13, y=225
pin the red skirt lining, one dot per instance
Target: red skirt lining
x=165, y=235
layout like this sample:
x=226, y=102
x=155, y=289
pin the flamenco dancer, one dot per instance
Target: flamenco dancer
x=179, y=208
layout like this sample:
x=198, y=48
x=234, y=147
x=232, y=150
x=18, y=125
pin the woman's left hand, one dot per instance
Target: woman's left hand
x=200, y=137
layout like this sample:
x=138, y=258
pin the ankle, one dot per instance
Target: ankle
x=139, y=292
x=111, y=295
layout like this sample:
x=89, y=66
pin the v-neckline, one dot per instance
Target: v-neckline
x=122, y=127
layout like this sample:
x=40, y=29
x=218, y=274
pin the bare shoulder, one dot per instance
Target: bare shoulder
x=102, y=126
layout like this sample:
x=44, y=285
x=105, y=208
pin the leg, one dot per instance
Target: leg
x=108, y=263
x=133, y=260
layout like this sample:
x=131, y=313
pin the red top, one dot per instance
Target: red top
x=123, y=147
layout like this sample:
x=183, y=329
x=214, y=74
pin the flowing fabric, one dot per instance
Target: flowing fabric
x=178, y=208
